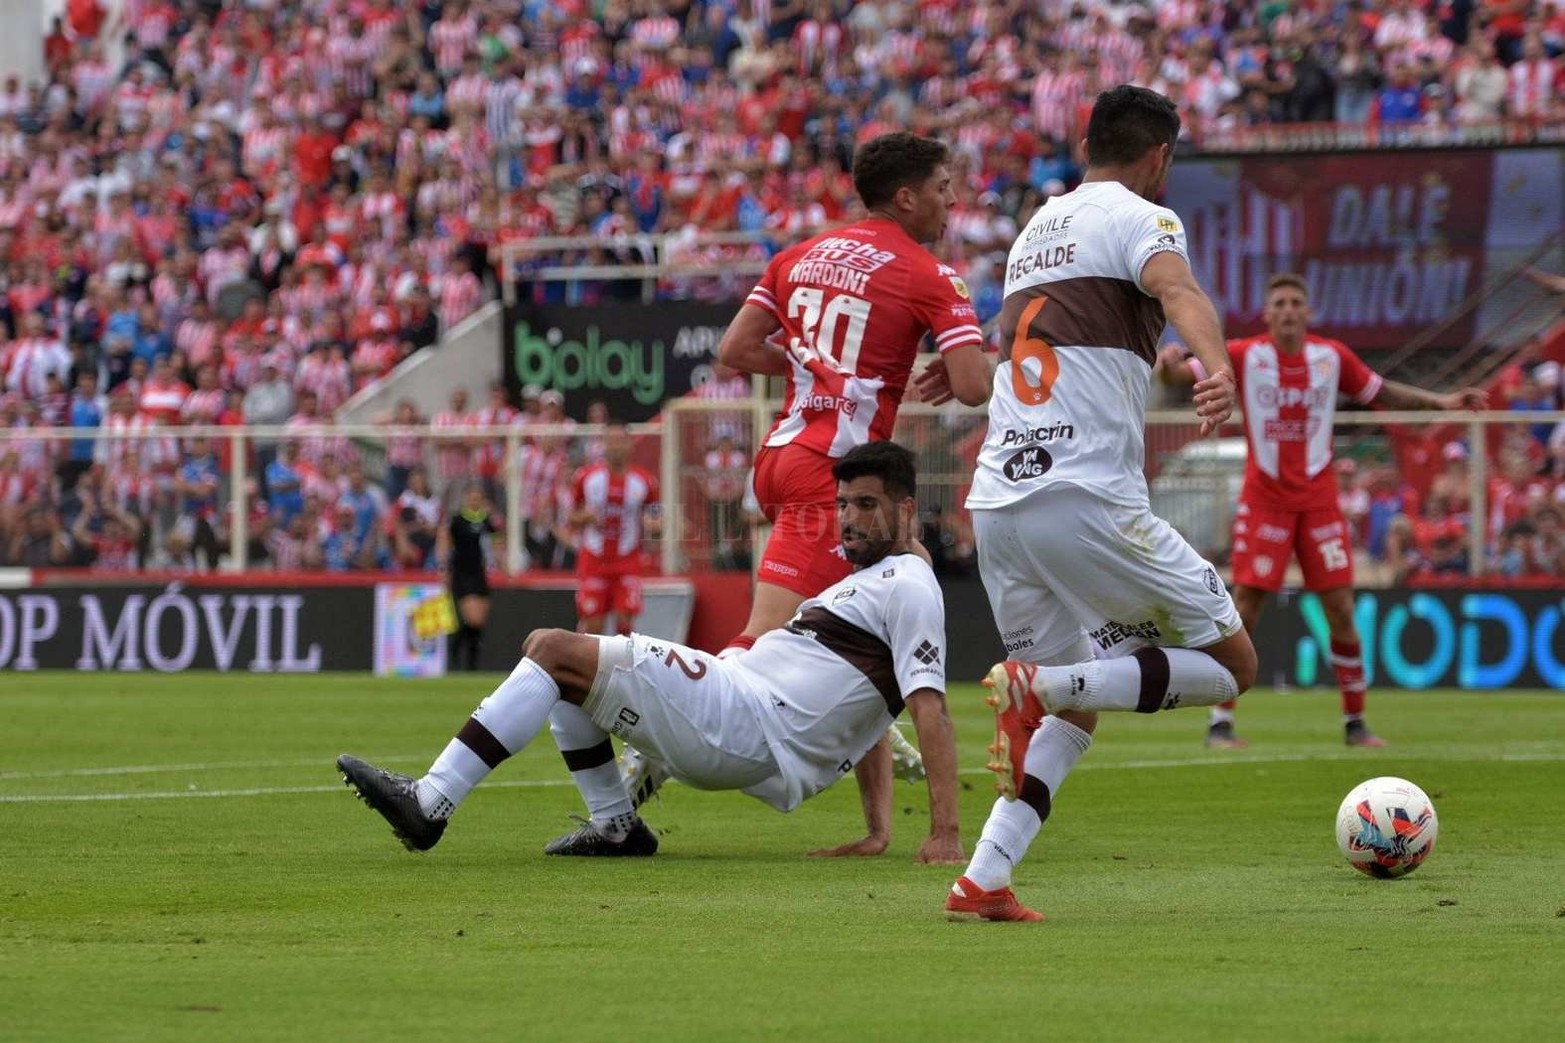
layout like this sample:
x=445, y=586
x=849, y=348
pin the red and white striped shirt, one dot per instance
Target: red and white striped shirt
x=32, y=359
x=460, y=296
x=451, y=39
x=1054, y=99
x=453, y=457
x=539, y=470
x=616, y=502
x=164, y=401
x=203, y=407
x=197, y=340
x=1534, y=86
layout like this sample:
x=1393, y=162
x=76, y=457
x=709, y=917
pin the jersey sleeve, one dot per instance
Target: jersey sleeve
x=1145, y=233
x=1358, y=381
x=764, y=296
x=940, y=298
x=916, y=625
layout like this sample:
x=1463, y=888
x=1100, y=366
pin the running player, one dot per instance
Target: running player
x=609, y=501
x=841, y=316
x=1103, y=605
x=1288, y=381
x=781, y=723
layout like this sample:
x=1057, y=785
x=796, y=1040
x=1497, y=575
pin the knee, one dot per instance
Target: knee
x=1243, y=665
x=547, y=648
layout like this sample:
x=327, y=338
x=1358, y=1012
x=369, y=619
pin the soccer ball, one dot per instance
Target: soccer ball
x=1386, y=827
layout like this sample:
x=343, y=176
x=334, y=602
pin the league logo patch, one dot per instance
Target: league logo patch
x=1168, y=224
x=960, y=287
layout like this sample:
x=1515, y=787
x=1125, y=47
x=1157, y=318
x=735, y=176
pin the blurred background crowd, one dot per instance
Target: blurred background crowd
x=246, y=211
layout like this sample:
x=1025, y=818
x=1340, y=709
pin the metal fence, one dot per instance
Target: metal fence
x=700, y=450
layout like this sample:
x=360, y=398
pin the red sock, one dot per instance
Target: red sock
x=1230, y=705
x=1347, y=661
x=742, y=643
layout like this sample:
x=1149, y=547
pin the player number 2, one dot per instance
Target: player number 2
x=1034, y=366
x=695, y=673
x=818, y=319
x=1334, y=554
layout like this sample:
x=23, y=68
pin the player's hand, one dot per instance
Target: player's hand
x=1466, y=398
x=941, y=851
x=1214, y=400
x=869, y=847
x=934, y=384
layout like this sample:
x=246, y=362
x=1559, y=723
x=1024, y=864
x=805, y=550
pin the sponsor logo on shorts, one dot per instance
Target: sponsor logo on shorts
x=625, y=721
x=782, y=570
x=1017, y=646
x=1272, y=533
x=1016, y=640
x=1326, y=532
x=1213, y=584
x=1029, y=435
x=1027, y=464
x=1114, y=632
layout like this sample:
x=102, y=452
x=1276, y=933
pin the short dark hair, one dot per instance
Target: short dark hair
x=1128, y=121
x=888, y=461
x=1289, y=279
x=894, y=161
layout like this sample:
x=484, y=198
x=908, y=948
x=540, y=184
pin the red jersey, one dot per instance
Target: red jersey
x=1289, y=403
x=617, y=501
x=854, y=304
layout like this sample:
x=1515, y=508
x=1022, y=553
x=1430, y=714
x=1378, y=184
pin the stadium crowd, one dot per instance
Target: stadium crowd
x=222, y=212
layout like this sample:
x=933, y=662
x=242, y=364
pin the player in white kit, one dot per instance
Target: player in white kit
x=782, y=722
x=1102, y=605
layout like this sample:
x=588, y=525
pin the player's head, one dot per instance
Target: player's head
x=904, y=177
x=616, y=443
x=1287, y=310
x=876, y=509
x=1133, y=129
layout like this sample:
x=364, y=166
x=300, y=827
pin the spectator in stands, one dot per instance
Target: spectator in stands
x=414, y=523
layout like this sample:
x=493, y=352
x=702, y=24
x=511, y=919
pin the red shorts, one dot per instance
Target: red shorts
x=798, y=495
x=608, y=586
x=1265, y=538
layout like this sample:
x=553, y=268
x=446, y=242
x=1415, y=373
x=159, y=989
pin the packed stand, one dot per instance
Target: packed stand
x=265, y=206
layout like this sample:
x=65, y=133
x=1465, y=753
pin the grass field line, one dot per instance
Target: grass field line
x=254, y=791
x=154, y=769
x=1552, y=753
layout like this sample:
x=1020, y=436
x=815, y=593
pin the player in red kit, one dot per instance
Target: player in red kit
x=609, y=501
x=841, y=316
x=1288, y=384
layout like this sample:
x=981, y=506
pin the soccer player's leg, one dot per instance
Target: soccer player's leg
x=627, y=597
x=1032, y=753
x=1263, y=542
x=592, y=601
x=557, y=664
x=1165, y=628
x=1326, y=558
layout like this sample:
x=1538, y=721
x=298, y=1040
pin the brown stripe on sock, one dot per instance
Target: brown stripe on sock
x=482, y=742
x=591, y=757
x=1035, y=794
x=1154, y=679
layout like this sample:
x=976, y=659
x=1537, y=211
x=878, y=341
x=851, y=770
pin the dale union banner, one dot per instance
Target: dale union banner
x=1389, y=244
x=631, y=356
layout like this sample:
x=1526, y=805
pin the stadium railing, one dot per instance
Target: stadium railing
x=675, y=256
x=1194, y=482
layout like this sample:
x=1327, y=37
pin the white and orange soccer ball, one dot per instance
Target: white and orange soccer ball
x=1386, y=827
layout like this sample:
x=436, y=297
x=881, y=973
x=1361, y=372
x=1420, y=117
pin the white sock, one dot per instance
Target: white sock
x=1222, y=716
x=589, y=754
x=1013, y=824
x=1146, y=681
x=503, y=724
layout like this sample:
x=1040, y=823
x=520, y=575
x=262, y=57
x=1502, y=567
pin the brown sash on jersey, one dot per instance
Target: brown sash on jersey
x=862, y=650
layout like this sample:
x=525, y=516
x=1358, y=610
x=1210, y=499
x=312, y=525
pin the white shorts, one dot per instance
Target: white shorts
x=682, y=708
x=1065, y=564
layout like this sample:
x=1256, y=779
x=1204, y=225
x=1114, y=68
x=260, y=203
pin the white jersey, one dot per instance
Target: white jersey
x=1079, y=336
x=832, y=681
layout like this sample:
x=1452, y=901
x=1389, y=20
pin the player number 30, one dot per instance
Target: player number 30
x=818, y=319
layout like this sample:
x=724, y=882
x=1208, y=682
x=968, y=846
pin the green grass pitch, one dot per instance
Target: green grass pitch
x=227, y=887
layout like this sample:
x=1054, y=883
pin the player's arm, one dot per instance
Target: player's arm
x=1395, y=395
x=937, y=744
x=873, y=772
x=968, y=376
x=1167, y=276
x=962, y=371
x=746, y=346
